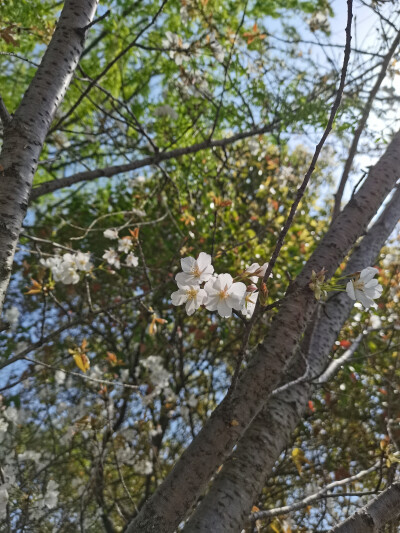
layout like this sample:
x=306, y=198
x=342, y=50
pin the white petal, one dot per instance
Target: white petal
x=368, y=273
x=253, y=267
x=191, y=306
x=202, y=296
x=188, y=264
x=183, y=278
x=238, y=289
x=179, y=297
x=363, y=298
x=371, y=283
x=210, y=284
x=224, y=309
x=350, y=290
x=225, y=280
x=212, y=303
x=203, y=261
x=207, y=273
x=374, y=292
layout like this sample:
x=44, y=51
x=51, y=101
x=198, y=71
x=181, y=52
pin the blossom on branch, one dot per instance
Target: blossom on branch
x=257, y=271
x=364, y=288
x=192, y=295
x=224, y=295
x=195, y=271
x=132, y=260
x=111, y=234
x=249, y=304
x=112, y=257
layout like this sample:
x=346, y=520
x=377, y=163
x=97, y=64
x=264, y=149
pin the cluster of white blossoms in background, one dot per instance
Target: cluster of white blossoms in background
x=125, y=245
x=177, y=48
x=66, y=268
x=362, y=287
x=220, y=292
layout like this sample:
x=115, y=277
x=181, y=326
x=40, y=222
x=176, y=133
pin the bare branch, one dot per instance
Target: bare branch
x=361, y=125
x=313, y=497
x=108, y=172
x=374, y=515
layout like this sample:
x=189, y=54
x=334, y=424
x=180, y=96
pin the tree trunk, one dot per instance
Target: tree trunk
x=26, y=130
x=179, y=492
x=228, y=503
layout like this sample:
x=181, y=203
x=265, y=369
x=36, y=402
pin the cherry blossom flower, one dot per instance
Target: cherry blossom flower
x=192, y=295
x=112, y=257
x=195, y=271
x=224, y=295
x=249, y=304
x=82, y=261
x=364, y=288
x=257, y=270
x=111, y=234
x=132, y=260
x=66, y=270
x=124, y=245
x=51, y=262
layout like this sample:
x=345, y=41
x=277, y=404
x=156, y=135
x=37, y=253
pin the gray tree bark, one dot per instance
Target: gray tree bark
x=178, y=493
x=26, y=130
x=228, y=503
x=372, y=517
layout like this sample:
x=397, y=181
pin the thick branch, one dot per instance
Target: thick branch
x=178, y=493
x=372, y=517
x=233, y=492
x=108, y=172
x=25, y=134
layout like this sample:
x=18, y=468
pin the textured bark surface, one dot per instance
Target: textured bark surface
x=228, y=503
x=372, y=517
x=24, y=135
x=179, y=492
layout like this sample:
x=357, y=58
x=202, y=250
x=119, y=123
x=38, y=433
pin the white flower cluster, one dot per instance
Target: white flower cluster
x=125, y=245
x=177, y=48
x=220, y=293
x=66, y=268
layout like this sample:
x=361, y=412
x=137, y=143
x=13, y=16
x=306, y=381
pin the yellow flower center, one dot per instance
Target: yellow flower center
x=358, y=284
x=191, y=293
x=223, y=295
x=196, y=271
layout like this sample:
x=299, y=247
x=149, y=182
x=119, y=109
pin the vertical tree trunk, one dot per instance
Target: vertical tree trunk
x=25, y=132
x=180, y=490
x=228, y=503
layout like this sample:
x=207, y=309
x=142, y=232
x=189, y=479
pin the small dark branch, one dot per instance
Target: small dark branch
x=361, y=125
x=335, y=107
x=4, y=114
x=302, y=188
x=97, y=20
x=376, y=514
x=108, y=172
x=358, y=184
